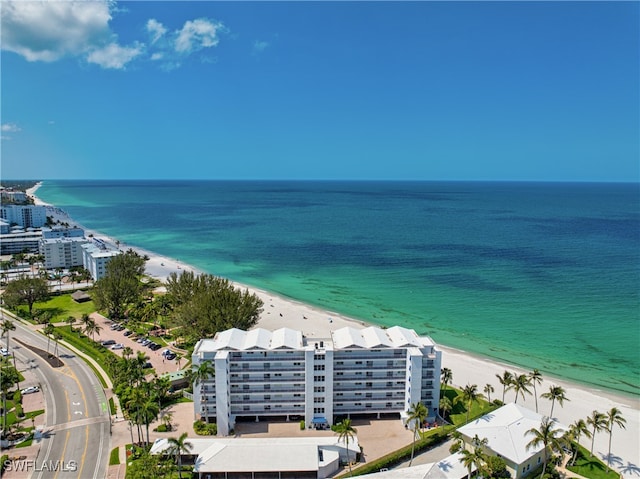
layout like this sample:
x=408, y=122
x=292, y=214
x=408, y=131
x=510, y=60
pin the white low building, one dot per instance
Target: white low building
x=506, y=431
x=283, y=457
x=355, y=373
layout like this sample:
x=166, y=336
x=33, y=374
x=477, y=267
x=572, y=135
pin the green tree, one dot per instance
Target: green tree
x=556, y=393
x=7, y=327
x=120, y=286
x=488, y=389
x=25, y=290
x=346, y=431
x=535, y=377
x=445, y=406
x=416, y=416
x=91, y=328
x=457, y=442
x=446, y=376
x=8, y=377
x=597, y=421
x=70, y=321
x=471, y=458
x=469, y=396
x=520, y=385
x=203, y=372
x=613, y=417
x=506, y=380
x=577, y=429
x=207, y=304
x=48, y=331
x=547, y=435
x=177, y=447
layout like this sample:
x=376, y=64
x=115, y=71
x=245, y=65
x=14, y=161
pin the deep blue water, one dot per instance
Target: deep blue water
x=542, y=275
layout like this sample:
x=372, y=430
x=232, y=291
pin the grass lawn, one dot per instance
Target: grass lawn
x=114, y=457
x=62, y=306
x=458, y=415
x=591, y=467
x=94, y=350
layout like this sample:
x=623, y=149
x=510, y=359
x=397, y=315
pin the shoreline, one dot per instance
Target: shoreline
x=467, y=368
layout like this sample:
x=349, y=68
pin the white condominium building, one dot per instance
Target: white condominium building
x=62, y=252
x=62, y=232
x=25, y=216
x=356, y=372
x=95, y=257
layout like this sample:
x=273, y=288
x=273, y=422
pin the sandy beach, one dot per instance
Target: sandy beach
x=467, y=369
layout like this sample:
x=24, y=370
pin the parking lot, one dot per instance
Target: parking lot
x=161, y=363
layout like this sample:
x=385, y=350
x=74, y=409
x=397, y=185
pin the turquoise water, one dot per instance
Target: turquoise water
x=542, y=275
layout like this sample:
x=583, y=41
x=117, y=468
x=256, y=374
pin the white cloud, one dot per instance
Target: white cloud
x=10, y=127
x=47, y=31
x=260, y=46
x=155, y=29
x=196, y=35
x=51, y=30
x=114, y=56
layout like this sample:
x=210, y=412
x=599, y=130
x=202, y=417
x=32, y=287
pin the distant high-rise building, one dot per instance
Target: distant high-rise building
x=25, y=216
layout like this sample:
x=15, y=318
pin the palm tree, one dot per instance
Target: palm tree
x=91, y=328
x=458, y=442
x=204, y=371
x=613, y=418
x=445, y=406
x=597, y=421
x=85, y=319
x=126, y=352
x=70, y=321
x=417, y=414
x=7, y=327
x=578, y=428
x=556, y=393
x=346, y=431
x=57, y=336
x=520, y=385
x=472, y=458
x=535, y=377
x=547, y=435
x=446, y=376
x=148, y=412
x=178, y=446
x=48, y=331
x=505, y=380
x=488, y=389
x=469, y=396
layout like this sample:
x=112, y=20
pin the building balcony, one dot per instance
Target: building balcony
x=236, y=369
x=360, y=367
x=262, y=380
x=272, y=401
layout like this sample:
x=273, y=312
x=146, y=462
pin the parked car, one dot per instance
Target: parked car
x=118, y=346
x=127, y=333
x=145, y=342
x=4, y=352
x=108, y=342
x=30, y=390
x=170, y=356
x=156, y=347
x=142, y=339
x=120, y=327
x=114, y=326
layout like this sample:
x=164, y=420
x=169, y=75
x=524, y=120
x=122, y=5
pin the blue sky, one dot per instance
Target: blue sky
x=335, y=90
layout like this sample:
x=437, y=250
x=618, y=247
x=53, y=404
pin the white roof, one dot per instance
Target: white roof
x=258, y=454
x=374, y=337
x=239, y=340
x=506, y=430
x=448, y=468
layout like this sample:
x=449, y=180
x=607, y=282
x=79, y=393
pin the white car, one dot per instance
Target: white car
x=30, y=390
x=4, y=352
x=118, y=346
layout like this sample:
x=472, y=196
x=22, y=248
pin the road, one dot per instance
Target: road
x=76, y=438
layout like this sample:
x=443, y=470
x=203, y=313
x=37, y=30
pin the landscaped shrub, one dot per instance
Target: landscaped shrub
x=17, y=397
x=162, y=428
x=205, y=429
x=19, y=411
x=302, y=425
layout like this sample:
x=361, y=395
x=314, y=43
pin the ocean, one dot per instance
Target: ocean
x=539, y=275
